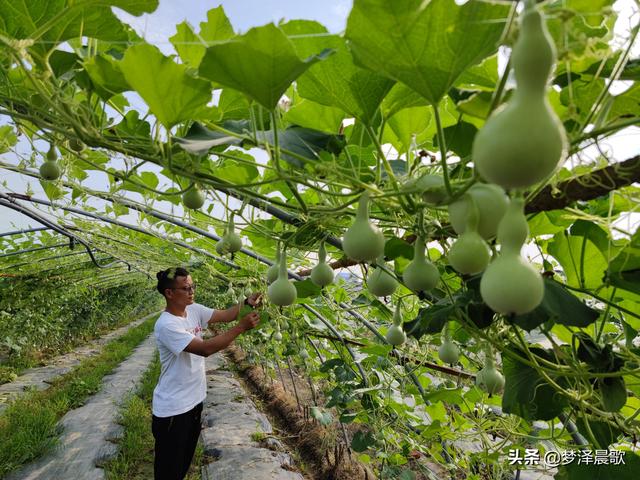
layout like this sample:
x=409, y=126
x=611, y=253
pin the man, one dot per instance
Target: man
x=181, y=389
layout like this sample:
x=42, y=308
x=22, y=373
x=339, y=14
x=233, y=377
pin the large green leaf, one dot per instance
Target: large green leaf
x=173, y=95
x=526, y=393
x=191, y=46
x=560, y=306
x=337, y=81
x=307, y=113
x=300, y=144
x=624, y=269
x=261, y=63
x=425, y=45
x=54, y=21
x=106, y=76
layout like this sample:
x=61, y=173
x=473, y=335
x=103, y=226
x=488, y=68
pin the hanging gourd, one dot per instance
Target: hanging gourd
x=420, y=275
x=221, y=248
x=432, y=188
x=489, y=378
x=448, y=351
x=363, y=241
x=523, y=142
x=510, y=284
x=232, y=240
x=379, y=282
x=304, y=355
x=50, y=170
x=282, y=292
x=272, y=272
x=470, y=254
x=322, y=273
x=492, y=203
x=193, y=198
x=277, y=335
x=395, y=335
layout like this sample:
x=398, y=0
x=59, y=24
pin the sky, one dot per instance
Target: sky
x=158, y=26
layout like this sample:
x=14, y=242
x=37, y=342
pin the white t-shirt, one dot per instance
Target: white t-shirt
x=182, y=384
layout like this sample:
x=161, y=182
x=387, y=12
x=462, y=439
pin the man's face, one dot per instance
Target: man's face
x=183, y=292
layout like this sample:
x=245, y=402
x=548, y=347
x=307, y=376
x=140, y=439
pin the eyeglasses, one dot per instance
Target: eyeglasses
x=189, y=289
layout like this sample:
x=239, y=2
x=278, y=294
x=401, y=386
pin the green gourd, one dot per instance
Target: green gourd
x=277, y=336
x=272, y=272
x=470, y=254
x=523, y=142
x=510, y=284
x=50, y=170
x=231, y=238
x=193, y=198
x=221, y=247
x=363, y=241
x=282, y=292
x=448, y=351
x=432, y=188
x=322, y=273
x=420, y=275
x=379, y=282
x=395, y=335
x=489, y=378
x=304, y=354
x=491, y=202
x=76, y=145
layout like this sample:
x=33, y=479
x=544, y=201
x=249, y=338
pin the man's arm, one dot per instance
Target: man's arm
x=208, y=347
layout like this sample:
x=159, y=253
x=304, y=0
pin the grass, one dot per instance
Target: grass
x=29, y=425
x=135, y=458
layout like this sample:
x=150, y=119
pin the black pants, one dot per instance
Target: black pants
x=176, y=439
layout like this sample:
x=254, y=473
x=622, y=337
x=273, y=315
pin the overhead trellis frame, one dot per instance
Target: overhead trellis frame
x=10, y=202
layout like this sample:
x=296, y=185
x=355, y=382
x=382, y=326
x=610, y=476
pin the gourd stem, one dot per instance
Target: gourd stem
x=397, y=315
x=443, y=151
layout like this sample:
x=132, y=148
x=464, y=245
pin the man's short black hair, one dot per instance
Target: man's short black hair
x=167, y=278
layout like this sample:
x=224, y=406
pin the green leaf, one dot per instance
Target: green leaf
x=306, y=288
x=582, y=261
x=192, y=47
x=603, y=432
x=261, y=64
x=526, y=393
x=459, y=138
x=362, y=441
x=173, y=96
x=301, y=144
x=430, y=320
x=106, y=76
x=56, y=21
x=560, y=306
x=624, y=269
x=8, y=138
x=614, y=393
x=233, y=171
x=337, y=81
x=425, y=45
x=581, y=471
x=396, y=247
x=315, y=116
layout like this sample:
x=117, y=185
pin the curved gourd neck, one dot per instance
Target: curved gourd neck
x=513, y=229
x=489, y=361
x=363, y=208
x=446, y=333
x=397, y=316
x=282, y=266
x=322, y=254
x=278, y=254
x=231, y=225
x=418, y=250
